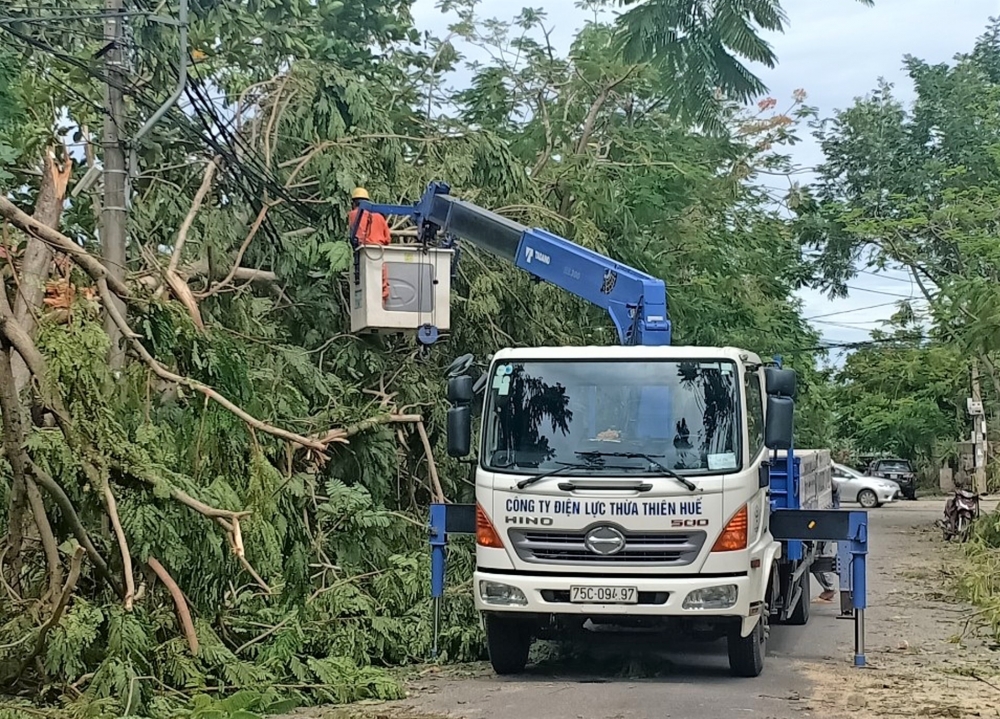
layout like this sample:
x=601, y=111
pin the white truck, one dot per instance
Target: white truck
x=613, y=484
x=633, y=485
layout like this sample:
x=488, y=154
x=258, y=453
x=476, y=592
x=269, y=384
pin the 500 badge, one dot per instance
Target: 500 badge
x=688, y=522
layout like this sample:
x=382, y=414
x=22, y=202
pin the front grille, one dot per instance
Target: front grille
x=674, y=549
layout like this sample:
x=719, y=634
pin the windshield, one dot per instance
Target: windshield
x=541, y=415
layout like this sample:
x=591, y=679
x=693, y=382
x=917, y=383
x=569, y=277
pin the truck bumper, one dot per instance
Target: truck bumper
x=656, y=596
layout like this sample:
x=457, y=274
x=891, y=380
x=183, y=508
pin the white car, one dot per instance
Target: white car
x=869, y=492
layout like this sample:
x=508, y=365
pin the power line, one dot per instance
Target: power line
x=850, y=325
x=881, y=292
x=882, y=275
x=861, y=344
x=856, y=309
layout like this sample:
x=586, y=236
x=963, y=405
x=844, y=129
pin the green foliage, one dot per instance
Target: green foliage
x=916, y=187
x=698, y=47
x=903, y=396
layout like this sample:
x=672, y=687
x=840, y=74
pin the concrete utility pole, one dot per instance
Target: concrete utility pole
x=114, y=214
x=978, y=415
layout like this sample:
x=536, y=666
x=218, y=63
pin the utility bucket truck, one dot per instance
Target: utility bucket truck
x=636, y=485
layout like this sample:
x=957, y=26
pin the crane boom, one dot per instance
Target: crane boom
x=635, y=301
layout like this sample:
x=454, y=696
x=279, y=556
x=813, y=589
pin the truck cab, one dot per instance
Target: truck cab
x=623, y=485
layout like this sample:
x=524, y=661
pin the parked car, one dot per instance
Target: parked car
x=869, y=492
x=899, y=471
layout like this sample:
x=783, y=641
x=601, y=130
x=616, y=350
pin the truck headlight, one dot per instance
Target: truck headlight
x=721, y=597
x=501, y=595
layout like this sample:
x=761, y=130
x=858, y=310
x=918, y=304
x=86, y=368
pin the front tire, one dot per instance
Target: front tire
x=508, y=642
x=868, y=499
x=746, y=654
x=962, y=529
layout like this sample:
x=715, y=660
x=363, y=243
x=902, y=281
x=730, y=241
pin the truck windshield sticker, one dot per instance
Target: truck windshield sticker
x=597, y=508
x=726, y=460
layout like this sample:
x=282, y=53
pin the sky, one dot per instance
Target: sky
x=836, y=50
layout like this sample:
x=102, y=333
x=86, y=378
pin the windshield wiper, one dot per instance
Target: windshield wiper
x=651, y=458
x=596, y=463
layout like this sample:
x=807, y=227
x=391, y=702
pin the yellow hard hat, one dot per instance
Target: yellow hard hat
x=360, y=193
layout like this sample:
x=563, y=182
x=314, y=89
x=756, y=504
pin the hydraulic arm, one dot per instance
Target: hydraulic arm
x=635, y=301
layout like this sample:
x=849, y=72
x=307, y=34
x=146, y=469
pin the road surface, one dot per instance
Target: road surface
x=916, y=668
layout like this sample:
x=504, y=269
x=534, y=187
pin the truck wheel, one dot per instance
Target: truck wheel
x=746, y=654
x=508, y=641
x=800, y=615
x=867, y=499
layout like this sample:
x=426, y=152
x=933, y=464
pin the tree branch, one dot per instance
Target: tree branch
x=79, y=531
x=165, y=374
x=431, y=464
x=341, y=434
x=183, y=614
x=59, y=241
x=199, y=197
x=116, y=523
x=76, y=564
x=13, y=443
x=49, y=544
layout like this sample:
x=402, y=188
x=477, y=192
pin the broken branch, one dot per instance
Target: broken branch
x=165, y=374
x=55, y=239
x=183, y=614
x=67, y=592
x=219, y=286
x=116, y=523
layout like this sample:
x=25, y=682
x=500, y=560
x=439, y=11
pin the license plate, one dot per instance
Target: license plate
x=604, y=595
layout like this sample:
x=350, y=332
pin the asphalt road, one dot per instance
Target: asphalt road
x=912, y=623
x=634, y=678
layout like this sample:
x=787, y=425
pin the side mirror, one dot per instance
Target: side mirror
x=460, y=389
x=780, y=382
x=459, y=431
x=778, y=424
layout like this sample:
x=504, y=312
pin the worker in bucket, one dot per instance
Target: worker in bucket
x=370, y=228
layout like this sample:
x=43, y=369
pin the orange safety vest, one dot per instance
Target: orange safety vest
x=372, y=230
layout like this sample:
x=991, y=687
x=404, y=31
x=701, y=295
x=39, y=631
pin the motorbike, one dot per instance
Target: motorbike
x=960, y=511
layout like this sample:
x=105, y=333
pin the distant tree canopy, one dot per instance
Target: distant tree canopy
x=916, y=186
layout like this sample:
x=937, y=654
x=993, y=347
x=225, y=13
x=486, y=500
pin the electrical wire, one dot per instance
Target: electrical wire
x=884, y=276
x=850, y=311
x=248, y=167
x=881, y=292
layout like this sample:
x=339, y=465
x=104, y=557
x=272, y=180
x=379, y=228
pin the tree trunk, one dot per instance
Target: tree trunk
x=37, y=262
x=13, y=441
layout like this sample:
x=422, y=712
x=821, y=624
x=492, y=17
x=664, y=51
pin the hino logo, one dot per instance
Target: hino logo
x=604, y=540
x=531, y=254
x=536, y=521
